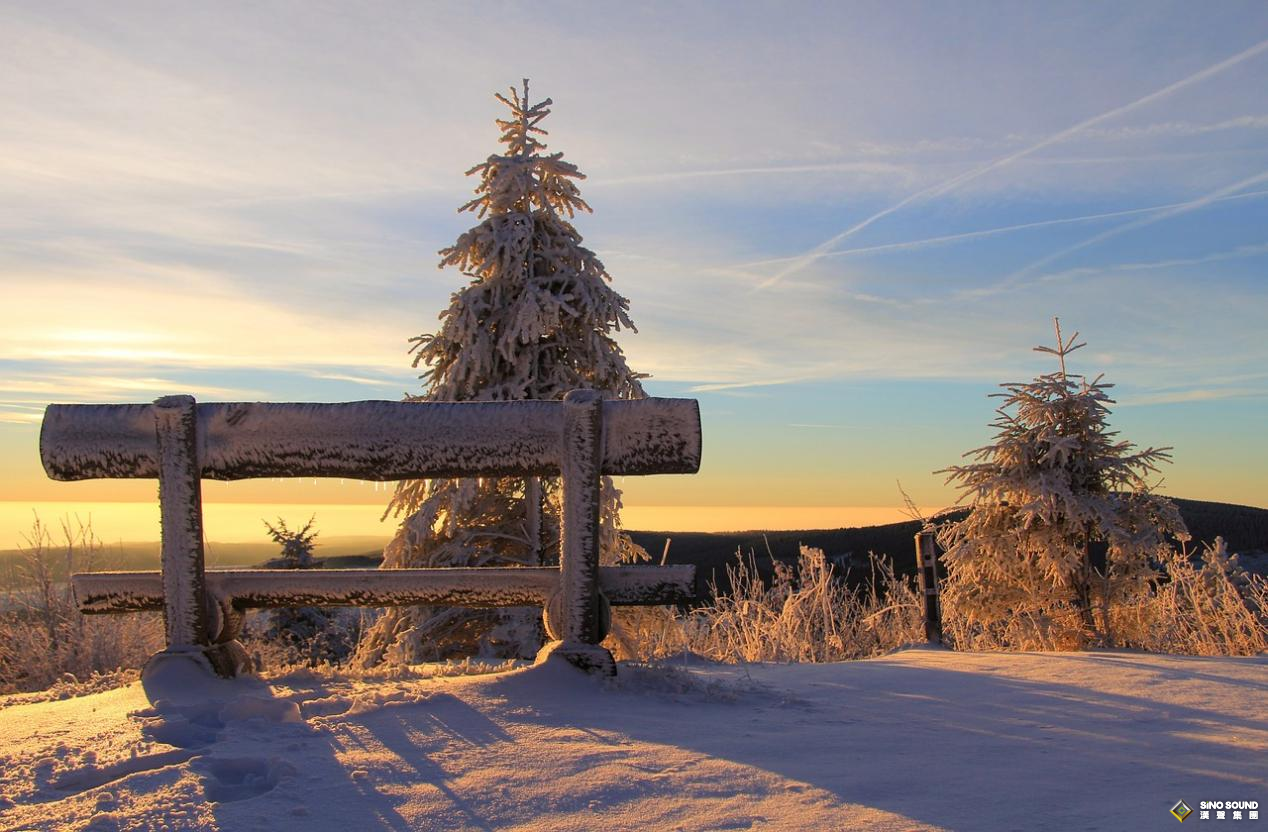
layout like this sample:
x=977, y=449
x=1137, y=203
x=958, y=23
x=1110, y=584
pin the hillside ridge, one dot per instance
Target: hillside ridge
x=1244, y=528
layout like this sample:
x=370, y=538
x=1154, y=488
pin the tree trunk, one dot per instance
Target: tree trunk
x=1082, y=585
x=1107, y=628
x=533, y=519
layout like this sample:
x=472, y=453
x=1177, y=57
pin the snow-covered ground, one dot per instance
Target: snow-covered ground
x=921, y=739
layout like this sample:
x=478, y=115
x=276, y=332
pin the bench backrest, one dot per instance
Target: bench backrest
x=372, y=440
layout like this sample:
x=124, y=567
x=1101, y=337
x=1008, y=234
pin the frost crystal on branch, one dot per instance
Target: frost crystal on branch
x=536, y=319
x=1061, y=513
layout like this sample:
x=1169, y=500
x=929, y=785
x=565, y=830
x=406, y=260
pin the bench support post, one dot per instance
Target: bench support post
x=575, y=619
x=181, y=521
x=185, y=605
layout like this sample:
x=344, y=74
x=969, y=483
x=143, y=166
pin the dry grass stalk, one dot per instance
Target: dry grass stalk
x=1203, y=607
x=807, y=614
x=43, y=637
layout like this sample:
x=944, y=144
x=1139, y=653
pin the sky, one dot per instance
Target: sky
x=840, y=225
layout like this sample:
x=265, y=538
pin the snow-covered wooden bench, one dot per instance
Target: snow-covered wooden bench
x=181, y=442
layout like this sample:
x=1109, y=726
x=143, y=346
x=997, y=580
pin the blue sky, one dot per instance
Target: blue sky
x=840, y=225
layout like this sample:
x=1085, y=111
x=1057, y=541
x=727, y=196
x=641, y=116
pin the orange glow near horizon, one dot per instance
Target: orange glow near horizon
x=138, y=522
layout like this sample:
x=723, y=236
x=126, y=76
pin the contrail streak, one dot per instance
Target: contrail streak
x=968, y=176
x=1017, y=279
x=1181, y=208
x=1005, y=229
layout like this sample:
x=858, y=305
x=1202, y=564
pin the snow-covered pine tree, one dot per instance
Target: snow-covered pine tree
x=1054, y=491
x=305, y=635
x=536, y=320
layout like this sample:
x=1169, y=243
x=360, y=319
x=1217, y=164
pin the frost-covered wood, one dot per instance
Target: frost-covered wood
x=579, y=544
x=651, y=436
x=372, y=440
x=574, y=438
x=118, y=592
x=927, y=581
x=175, y=426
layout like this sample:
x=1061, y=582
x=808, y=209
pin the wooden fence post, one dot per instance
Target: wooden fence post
x=575, y=616
x=927, y=580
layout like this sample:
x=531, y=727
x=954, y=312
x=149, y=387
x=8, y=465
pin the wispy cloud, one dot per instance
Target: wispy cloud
x=20, y=417
x=24, y=398
x=951, y=184
x=355, y=379
x=79, y=387
x=1018, y=282
x=1181, y=208
x=1179, y=128
x=1006, y=229
x=1238, y=253
x=191, y=324
x=948, y=144
x=1129, y=132
x=1194, y=395
x=731, y=386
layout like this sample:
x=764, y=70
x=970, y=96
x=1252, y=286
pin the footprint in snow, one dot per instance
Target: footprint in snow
x=229, y=779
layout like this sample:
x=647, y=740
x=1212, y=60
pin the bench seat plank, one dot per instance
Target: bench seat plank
x=115, y=592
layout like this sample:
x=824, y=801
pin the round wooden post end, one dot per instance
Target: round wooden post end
x=552, y=617
x=590, y=658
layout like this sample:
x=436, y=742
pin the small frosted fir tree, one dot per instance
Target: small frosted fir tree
x=536, y=320
x=305, y=635
x=1061, y=520
x=297, y=545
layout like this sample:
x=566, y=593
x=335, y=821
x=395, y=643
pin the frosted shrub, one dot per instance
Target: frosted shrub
x=1052, y=625
x=43, y=637
x=648, y=633
x=536, y=320
x=1205, y=606
x=1211, y=607
x=806, y=614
